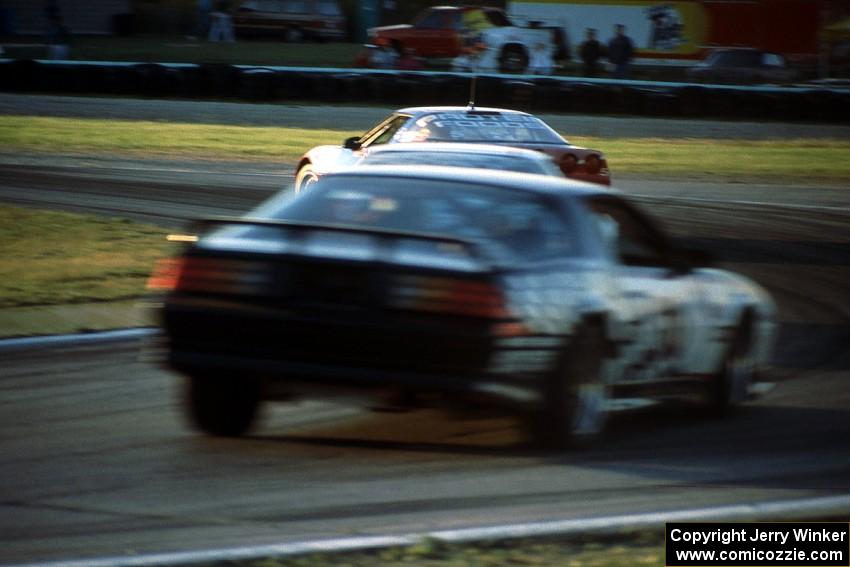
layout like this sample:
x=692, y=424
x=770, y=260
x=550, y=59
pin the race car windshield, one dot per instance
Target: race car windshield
x=460, y=159
x=508, y=225
x=478, y=127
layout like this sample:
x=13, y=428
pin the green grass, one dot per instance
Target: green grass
x=777, y=160
x=159, y=139
x=645, y=550
x=49, y=258
x=174, y=49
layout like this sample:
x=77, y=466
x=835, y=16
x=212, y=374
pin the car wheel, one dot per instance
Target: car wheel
x=730, y=385
x=305, y=177
x=293, y=35
x=574, y=408
x=513, y=60
x=223, y=406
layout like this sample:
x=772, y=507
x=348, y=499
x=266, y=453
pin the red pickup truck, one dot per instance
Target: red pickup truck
x=441, y=31
x=444, y=31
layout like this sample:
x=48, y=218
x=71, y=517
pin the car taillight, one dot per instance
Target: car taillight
x=448, y=295
x=568, y=163
x=211, y=275
x=592, y=164
x=165, y=274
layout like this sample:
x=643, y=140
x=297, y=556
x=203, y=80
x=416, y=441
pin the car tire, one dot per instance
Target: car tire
x=574, y=408
x=513, y=59
x=305, y=177
x=293, y=35
x=729, y=387
x=223, y=406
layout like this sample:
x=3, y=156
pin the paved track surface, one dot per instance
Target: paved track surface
x=361, y=117
x=96, y=459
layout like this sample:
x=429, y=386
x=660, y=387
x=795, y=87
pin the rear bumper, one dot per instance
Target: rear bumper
x=597, y=178
x=292, y=377
x=352, y=351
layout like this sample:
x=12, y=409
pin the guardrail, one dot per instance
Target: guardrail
x=338, y=85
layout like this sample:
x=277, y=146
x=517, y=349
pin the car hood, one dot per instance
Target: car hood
x=383, y=29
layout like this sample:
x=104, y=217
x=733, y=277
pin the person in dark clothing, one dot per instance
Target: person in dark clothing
x=58, y=36
x=590, y=52
x=620, y=52
x=408, y=61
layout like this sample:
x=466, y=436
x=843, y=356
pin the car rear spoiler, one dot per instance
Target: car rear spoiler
x=474, y=248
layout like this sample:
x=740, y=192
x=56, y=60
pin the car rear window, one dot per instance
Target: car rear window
x=478, y=127
x=509, y=225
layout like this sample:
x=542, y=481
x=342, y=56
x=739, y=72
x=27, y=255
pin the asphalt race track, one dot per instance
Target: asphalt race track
x=96, y=460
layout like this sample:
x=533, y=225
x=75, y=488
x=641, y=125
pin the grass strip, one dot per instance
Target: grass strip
x=639, y=549
x=49, y=258
x=814, y=160
x=160, y=139
x=176, y=49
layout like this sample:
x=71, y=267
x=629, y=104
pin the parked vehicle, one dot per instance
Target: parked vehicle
x=499, y=43
x=294, y=20
x=673, y=33
x=742, y=66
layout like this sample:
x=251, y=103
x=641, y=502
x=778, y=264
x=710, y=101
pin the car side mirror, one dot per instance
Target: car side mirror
x=352, y=143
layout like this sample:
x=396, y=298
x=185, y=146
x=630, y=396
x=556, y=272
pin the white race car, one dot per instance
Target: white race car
x=457, y=124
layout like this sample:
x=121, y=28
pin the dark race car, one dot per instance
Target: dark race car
x=553, y=299
x=457, y=124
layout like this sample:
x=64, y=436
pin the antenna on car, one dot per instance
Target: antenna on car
x=471, y=106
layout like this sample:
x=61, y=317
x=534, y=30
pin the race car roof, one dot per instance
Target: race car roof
x=418, y=110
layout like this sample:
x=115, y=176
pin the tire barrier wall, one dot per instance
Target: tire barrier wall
x=550, y=94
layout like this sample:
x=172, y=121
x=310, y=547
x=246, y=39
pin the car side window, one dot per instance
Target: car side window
x=296, y=7
x=630, y=236
x=432, y=21
x=384, y=132
x=773, y=60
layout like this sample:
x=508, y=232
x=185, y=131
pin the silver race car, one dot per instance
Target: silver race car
x=557, y=300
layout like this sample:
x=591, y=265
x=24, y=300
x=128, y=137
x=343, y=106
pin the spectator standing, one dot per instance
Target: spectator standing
x=620, y=52
x=409, y=61
x=58, y=37
x=384, y=55
x=202, y=19
x=590, y=52
x=221, y=24
x=389, y=11
x=52, y=19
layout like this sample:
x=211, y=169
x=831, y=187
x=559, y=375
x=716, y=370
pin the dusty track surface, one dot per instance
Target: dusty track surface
x=96, y=459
